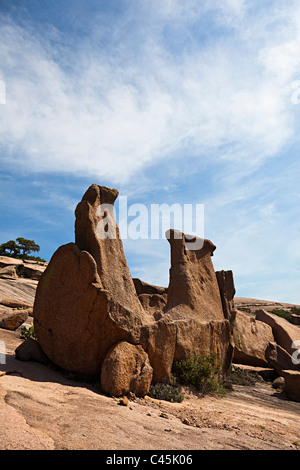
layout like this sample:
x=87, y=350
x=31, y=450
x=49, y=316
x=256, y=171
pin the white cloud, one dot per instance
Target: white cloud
x=108, y=116
x=173, y=79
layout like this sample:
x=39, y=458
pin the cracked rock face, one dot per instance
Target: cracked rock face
x=86, y=301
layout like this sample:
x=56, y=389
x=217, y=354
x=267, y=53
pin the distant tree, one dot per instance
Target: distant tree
x=27, y=246
x=9, y=248
x=19, y=248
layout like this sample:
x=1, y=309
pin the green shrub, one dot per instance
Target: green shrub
x=203, y=372
x=245, y=309
x=282, y=313
x=27, y=331
x=166, y=392
x=238, y=376
x=295, y=310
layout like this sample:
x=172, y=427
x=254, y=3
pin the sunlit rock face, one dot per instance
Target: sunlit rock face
x=87, y=302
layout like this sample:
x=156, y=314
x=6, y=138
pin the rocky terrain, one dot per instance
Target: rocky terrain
x=251, y=305
x=42, y=408
x=102, y=338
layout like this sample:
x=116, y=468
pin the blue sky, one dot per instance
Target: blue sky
x=192, y=102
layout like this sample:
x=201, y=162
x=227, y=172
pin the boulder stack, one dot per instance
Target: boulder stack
x=251, y=339
x=268, y=340
x=91, y=317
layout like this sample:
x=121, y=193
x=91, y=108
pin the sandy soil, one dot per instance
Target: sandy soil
x=40, y=408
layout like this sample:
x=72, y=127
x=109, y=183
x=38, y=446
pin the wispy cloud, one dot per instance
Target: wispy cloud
x=96, y=111
x=149, y=94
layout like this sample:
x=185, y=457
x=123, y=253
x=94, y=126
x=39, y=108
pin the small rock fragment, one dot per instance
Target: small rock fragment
x=124, y=401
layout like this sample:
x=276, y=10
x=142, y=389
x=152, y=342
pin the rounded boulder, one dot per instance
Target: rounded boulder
x=126, y=368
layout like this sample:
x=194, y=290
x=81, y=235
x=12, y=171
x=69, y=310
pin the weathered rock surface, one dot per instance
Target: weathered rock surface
x=193, y=320
x=251, y=339
x=14, y=303
x=285, y=334
x=108, y=253
x=15, y=267
x=32, y=270
x=43, y=408
x=142, y=287
x=252, y=305
x=278, y=383
x=19, y=290
x=295, y=319
x=86, y=301
x=227, y=292
x=12, y=319
x=30, y=350
x=193, y=284
x=153, y=304
x=279, y=358
x=126, y=368
x=152, y=298
x=85, y=320
x=269, y=340
x=292, y=384
x=9, y=272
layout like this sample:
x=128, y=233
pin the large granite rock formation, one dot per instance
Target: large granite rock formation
x=194, y=303
x=251, y=340
x=267, y=340
x=280, y=359
x=86, y=301
x=285, y=334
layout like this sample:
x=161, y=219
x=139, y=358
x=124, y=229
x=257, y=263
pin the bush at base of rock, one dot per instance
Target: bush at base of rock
x=166, y=392
x=238, y=376
x=27, y=331
x=203, y=372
